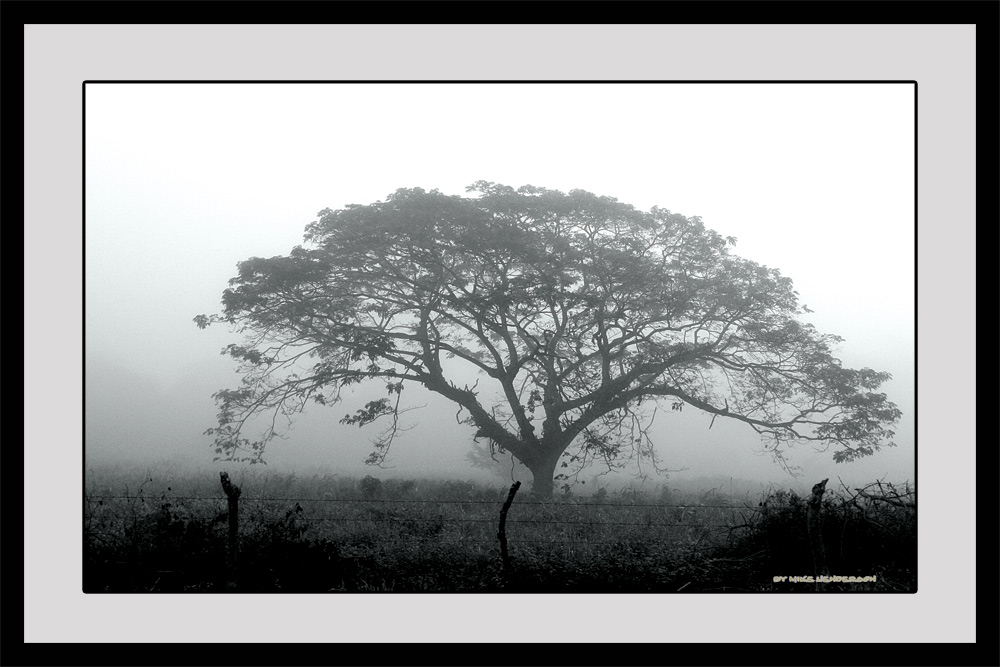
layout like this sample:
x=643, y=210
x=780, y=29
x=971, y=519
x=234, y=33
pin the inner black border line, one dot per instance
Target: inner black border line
x=519, y=81
x=537, y=81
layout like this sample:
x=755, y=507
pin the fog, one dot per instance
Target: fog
x=183, y=181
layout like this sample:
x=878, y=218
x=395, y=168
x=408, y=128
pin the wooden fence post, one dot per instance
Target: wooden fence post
x=814, y=526
x=502, y=533
x=233, y=496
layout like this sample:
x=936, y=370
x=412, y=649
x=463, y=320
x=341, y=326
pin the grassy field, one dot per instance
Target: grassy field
x=158, y=532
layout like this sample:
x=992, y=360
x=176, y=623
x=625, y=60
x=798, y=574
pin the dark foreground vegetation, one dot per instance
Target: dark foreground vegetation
x=333, y=534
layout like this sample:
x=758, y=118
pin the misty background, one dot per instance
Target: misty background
x=185, y=180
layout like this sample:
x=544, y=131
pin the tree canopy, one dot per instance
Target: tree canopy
x=579, y=313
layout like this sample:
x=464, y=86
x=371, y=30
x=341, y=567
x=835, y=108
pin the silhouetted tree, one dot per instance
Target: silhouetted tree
x=577, y=311
x=500, y=464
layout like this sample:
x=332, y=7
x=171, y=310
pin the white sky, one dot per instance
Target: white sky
x=185, y=180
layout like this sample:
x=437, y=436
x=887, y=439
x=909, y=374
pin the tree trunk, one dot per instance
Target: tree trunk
x=543, y=470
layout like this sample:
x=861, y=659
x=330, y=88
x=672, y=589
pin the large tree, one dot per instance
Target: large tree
x=578, y=312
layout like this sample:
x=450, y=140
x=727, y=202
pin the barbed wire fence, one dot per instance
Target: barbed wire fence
x=105, y=510
x=125, y=507
x=130, y=521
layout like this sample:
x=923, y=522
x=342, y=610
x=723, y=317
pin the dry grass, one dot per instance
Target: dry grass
x=159, y=533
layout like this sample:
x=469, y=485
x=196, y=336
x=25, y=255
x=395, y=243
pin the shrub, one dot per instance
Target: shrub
x=371, y=487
